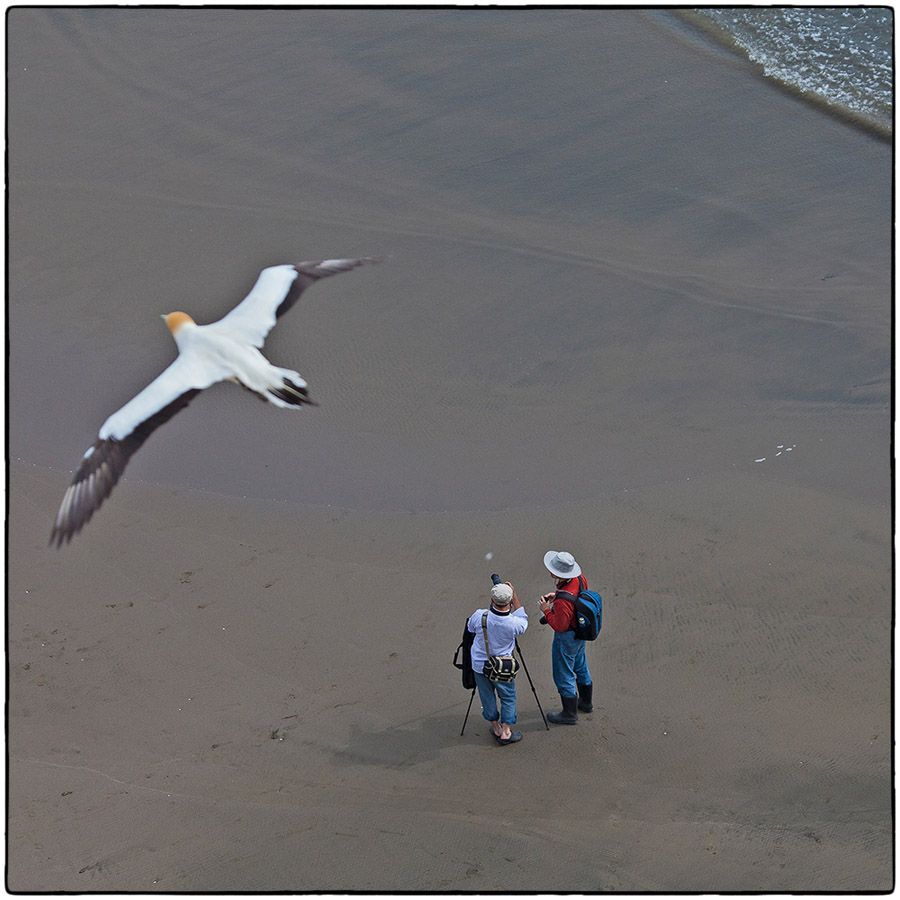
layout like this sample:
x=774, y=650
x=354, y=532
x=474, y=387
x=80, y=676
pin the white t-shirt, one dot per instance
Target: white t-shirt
x=502, y=629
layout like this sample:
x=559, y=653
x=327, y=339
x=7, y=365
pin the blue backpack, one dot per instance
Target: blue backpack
x=588, y=618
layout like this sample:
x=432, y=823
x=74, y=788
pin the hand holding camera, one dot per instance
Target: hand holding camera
x=546, y=605
x=515, y=603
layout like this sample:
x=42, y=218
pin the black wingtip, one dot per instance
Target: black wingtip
x=316, y=270
x=58, y=537
x=63, y=534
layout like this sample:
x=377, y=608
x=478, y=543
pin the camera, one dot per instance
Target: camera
x=496, y=579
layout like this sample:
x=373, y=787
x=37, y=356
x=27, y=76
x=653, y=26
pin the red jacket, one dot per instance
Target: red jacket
x=560, y=617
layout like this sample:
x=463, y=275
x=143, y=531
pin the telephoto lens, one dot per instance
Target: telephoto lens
x=495, y=578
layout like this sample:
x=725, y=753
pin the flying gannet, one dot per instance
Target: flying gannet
x=224, y=350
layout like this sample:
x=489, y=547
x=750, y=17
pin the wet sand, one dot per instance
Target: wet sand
x=621, y=268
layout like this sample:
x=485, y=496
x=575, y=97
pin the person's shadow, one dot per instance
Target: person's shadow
x=422, y=739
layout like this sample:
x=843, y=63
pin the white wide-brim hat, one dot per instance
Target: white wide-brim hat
x=561, y=564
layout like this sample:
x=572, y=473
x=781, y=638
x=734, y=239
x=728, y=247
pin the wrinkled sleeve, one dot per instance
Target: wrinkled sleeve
x=520, y=620
x=560, y=617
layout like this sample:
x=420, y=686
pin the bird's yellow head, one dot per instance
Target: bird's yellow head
x=174, y=320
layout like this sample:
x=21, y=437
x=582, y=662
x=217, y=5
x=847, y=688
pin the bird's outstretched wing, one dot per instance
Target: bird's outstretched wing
x=275, y=292
x=121, y=436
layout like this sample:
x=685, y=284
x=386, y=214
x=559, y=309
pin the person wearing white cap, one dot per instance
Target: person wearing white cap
x=504, y=622
x=570, y=669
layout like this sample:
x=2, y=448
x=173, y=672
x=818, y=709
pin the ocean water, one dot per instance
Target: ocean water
x=840, y=55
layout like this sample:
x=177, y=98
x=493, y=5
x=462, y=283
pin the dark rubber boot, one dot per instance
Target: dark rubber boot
x=585, y=697
x=569, y=714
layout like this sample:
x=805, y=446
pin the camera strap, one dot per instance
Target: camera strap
x=487, y=646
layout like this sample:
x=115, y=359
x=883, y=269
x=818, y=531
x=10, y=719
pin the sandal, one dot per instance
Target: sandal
x=514, y=738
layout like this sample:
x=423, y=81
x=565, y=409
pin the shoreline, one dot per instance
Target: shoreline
x=706, y=29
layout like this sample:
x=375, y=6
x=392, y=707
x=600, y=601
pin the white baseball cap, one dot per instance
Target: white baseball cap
x=502, y=594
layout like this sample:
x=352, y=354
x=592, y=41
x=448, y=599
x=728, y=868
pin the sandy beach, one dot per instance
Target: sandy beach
x=621, y=268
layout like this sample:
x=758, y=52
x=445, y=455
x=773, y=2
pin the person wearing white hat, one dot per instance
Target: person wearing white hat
x=570, y=669
x=504, y=622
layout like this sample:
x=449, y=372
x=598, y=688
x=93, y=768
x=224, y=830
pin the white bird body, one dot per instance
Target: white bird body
x=228, y=349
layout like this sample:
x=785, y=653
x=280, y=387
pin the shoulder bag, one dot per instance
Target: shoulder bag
x=497, y=668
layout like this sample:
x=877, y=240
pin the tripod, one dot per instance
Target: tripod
x=533, y=691
x=466, y=719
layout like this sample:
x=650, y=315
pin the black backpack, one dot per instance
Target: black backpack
x=465, y=646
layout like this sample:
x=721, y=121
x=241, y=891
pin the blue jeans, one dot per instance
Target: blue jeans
x=570, y=666
x=506, y=691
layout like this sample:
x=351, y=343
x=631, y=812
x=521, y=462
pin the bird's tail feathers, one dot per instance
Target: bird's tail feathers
x=289, y=391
